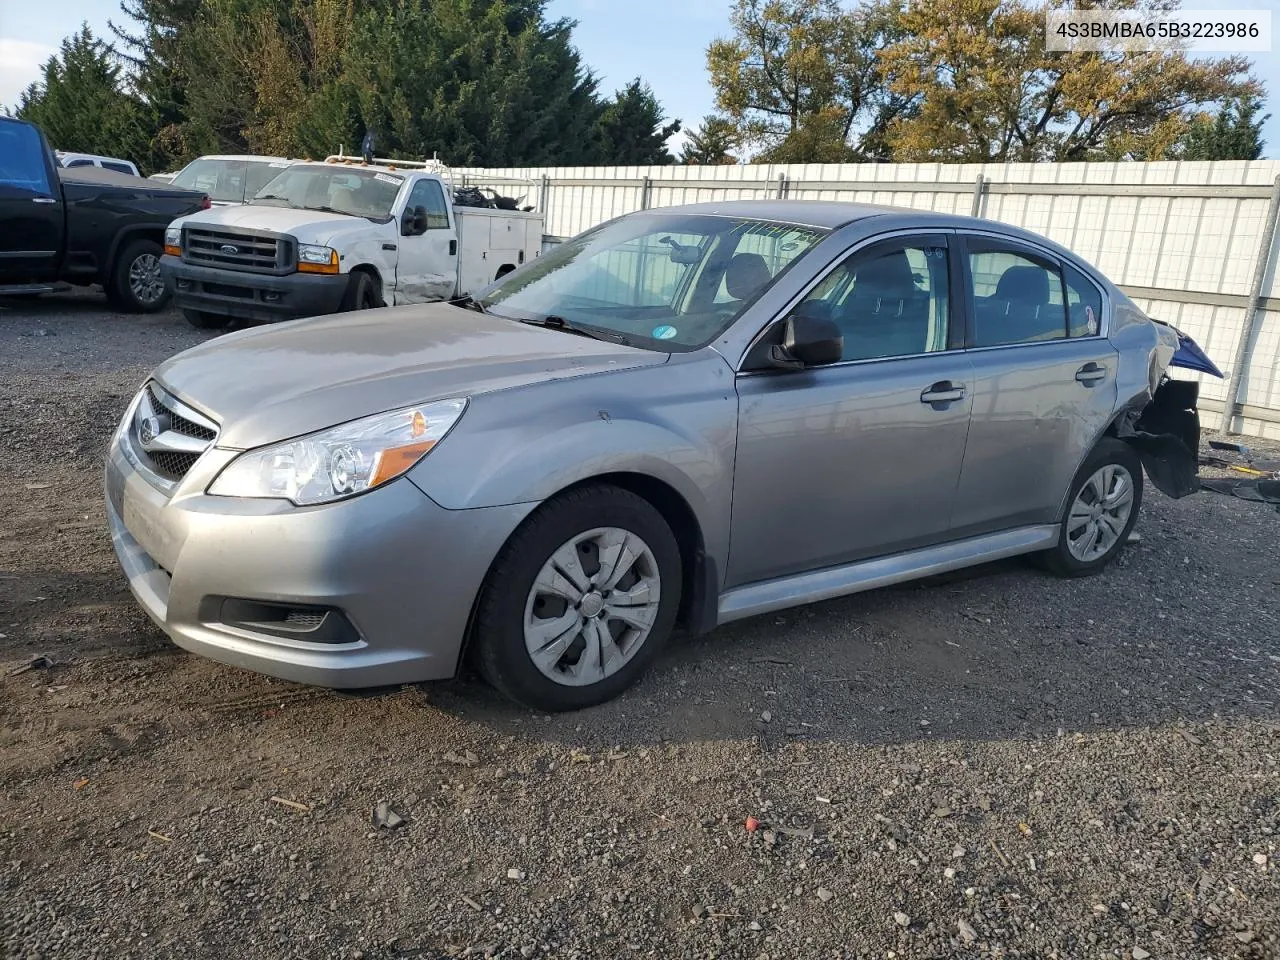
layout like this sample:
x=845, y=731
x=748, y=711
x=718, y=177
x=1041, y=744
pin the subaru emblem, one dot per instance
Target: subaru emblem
x=148, y=429
x=228, y=248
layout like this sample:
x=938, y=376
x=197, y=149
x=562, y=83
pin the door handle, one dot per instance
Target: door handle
x=1091, y=373
x=944, y=391
x=453, y=248
x=43, y=200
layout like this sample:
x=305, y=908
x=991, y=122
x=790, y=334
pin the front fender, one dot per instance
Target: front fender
x=676, y=422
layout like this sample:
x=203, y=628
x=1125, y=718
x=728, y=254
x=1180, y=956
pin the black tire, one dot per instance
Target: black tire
x=1060, y=559
x=498, y=649
x=206, y=321
x=362, y=293
x=133, y=284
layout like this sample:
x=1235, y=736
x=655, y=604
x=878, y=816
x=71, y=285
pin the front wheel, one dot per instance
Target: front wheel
x=362, y=293
x=135, y=284
x=579, y=601
x=1102, y=508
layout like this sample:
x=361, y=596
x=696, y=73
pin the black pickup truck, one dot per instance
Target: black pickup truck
x=81, y=225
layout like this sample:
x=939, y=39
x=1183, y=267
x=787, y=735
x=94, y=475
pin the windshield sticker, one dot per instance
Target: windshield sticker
x=664, y=332
x=387, y=178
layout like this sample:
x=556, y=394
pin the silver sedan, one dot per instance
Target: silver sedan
x=682, y=417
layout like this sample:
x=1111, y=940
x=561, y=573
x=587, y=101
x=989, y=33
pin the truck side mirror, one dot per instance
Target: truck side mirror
x=414, y=223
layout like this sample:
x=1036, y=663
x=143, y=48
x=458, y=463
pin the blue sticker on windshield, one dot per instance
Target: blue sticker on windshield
x=664, y=332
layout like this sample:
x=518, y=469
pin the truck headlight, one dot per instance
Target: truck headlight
x=314, y=258
x=173, y=241
x=342, y=461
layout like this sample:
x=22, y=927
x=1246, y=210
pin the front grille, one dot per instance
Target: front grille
x=168, y=436
x=237, y=250
x=171, y=466
x=177, y=422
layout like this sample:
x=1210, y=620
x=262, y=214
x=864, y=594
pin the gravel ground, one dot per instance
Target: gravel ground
x=996, y=763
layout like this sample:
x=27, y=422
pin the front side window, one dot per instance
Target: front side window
x=333, y=188
x=22, y=158
x=427, y=194
x=222, y=180
x=889, y=301
x=659, y=281
x=1017, y=298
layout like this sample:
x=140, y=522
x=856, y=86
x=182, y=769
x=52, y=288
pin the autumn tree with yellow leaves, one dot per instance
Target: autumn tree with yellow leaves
x=952, y=80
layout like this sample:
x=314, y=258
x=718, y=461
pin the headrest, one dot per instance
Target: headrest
x=746, y=275
x=1027, y=284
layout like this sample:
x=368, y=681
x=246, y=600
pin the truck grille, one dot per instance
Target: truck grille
x=167, y=435
x=238, y=250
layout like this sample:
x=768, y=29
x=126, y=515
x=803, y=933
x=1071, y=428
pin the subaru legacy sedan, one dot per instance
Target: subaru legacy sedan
x=680, y=418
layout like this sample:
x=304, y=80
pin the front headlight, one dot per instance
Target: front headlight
x=173, y=241
x=341, y=461
x=314, y=258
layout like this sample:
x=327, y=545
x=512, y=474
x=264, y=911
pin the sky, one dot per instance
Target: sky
x=662, y=41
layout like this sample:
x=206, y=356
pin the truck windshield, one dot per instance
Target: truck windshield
x=229, y=180
x=661, y=281
x=334, y=189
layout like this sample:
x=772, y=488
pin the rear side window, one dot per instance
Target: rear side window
x=118, y=167
x=22, y=158
x=1084, y=304
x=78, y=162
x=1016, y=299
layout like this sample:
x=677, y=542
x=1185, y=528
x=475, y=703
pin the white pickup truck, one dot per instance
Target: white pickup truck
x=341, y=234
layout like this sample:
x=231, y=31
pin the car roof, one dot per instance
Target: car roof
x=827, y=214
x=245, y=156
x=73, y=155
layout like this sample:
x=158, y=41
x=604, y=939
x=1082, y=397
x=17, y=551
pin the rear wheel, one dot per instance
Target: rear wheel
x=206, y=321
x=135, y=283
x=1102, y=508
x=362, y=292
x=579, y=601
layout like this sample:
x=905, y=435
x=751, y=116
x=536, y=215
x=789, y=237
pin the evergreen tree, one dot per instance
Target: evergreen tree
x=81, y=104
x=1234, y=134
x=712, y=143
x=631, y=129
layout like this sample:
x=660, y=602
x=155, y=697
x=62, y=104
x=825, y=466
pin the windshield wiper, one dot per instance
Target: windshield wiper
x=553, y=322
x=275, y=196
x=470, y=303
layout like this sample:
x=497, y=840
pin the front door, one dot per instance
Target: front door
x=861, y=458
x=427, y=262
x=1044, y=384
x=31, y=208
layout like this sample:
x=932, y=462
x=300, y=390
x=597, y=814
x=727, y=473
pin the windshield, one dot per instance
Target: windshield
x=228, y=181
x=665, y=282
x=334, y=189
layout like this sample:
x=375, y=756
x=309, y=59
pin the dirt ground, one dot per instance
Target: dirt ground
x=992, y=764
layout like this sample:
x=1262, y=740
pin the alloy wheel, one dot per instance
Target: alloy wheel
x=1100, y=513
x=144, y=279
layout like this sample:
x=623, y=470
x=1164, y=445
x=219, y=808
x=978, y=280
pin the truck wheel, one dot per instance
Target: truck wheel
x=205, y=321
x=361, y=293
x=135, y=284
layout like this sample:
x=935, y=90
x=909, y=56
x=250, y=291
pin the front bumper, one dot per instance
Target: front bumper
x=403, y=570
x=251, y=296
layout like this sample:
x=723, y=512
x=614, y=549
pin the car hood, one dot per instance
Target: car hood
x=309, y=226
x=276, y=382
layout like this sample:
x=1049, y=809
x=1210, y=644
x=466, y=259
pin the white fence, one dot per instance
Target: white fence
x=1192, y=243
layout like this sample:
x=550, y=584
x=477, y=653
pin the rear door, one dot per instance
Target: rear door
x=858, y=459
x=427, y=264
x=1044, y=383
x=31, y=208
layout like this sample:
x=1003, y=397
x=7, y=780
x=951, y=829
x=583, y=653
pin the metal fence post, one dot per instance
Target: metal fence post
x=544, y=197
x=645, y=187
x=782, y=186
x=975, y=208
x=1252, y=312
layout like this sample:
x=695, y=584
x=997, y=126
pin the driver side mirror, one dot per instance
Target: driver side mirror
x=414, y=222
x=807, y=341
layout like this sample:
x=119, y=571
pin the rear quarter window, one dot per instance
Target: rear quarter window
x=1084, y=304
